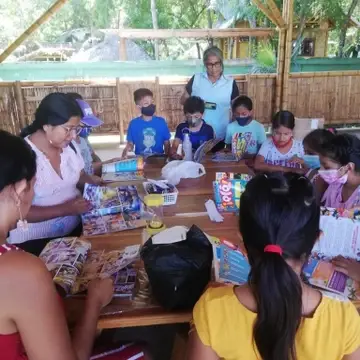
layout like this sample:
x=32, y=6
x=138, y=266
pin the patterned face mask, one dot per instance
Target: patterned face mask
x=333, y=176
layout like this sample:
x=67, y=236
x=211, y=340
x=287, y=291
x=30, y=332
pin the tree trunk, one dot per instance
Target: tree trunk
x=344, y=27
x=198, y=50
x=155, y=26
x=210, y=25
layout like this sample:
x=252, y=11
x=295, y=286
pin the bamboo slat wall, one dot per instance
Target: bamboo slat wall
x=332, y=95
x=18, y=101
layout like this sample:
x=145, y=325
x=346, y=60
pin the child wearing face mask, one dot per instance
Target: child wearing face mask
x=313, y=146
x=199, y=132
x=148, y=133
x=340, y=168
x=281, y=153
x=244, y=135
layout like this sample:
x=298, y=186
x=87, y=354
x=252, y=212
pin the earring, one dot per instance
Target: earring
x=22, y=224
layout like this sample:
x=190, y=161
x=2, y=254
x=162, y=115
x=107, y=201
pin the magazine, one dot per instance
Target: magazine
x=73, y=264
x=204, y=148
x=124, y=170
x=323, y=274
x=228, y=188
x=113, y=209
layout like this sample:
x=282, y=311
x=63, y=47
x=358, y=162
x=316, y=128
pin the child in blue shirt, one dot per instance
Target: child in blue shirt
x=244, y=135
x=199, y=132
x=148, y=133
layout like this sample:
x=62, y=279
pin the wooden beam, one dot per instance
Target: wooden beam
x=32, y=28
x=120, y=112
x=20, y=103
x=288, y=51
x=266, y=12
x=280, y=69
x=193, y=33
x=276, y=13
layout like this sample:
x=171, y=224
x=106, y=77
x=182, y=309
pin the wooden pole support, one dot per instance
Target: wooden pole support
x=276, y=13
x=266, y=12
x=119, y=111
x=32, y=28
x=20, y=103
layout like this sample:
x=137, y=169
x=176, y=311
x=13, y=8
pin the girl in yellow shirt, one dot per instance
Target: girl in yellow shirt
x=275, y=316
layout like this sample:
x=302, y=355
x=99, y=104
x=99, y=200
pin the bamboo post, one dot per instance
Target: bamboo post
x=20, y=103
x=280, y=69
x=32, y=28
x=157, y=94
x=266, y=12
x=276, y=13
x=288, y=52
x=119, y=110
x=123, y=55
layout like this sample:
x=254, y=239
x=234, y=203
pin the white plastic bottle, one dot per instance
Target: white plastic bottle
x=187, y=147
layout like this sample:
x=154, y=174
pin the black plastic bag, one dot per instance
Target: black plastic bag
x=179, y=272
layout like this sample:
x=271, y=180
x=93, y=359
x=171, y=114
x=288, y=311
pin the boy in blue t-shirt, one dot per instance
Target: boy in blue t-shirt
x=199, y=132
x=148, y=133
x=244, y=135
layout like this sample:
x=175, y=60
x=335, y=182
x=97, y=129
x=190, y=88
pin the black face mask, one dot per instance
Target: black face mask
x=242, y=120
x=148, y=110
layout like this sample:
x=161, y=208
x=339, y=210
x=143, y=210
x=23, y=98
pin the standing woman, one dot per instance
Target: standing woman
x=216, y=89
x=57, y=203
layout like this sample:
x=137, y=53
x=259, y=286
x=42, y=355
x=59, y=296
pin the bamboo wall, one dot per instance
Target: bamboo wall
x=332, y=95
x=113, y=101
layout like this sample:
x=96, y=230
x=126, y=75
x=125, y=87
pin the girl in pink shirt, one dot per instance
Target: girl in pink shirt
x=340, y=168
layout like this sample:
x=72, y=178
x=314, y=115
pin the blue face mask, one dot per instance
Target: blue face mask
x=242, y=120
x=148, y=110
x=312, y=161
x=85, y=132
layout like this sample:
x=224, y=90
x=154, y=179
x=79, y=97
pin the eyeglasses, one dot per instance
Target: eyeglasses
x=213, y=65
x=76, y=130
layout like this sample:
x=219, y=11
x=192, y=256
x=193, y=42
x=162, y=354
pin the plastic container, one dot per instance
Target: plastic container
x=155, y=203
x=169, y=198
x=187, y=147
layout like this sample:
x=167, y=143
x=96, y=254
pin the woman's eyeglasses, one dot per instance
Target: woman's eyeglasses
x=213, y=65
x=76, y=130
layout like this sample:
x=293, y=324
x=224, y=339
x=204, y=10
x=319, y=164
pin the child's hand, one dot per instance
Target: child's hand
x=349, y=267
x=295, y=159
x=176, y=157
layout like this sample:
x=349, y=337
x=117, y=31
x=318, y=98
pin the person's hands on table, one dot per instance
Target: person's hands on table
x=349, y=267
x=77, y=206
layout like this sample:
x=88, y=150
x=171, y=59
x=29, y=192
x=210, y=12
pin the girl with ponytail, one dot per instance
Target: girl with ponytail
x=275, y=316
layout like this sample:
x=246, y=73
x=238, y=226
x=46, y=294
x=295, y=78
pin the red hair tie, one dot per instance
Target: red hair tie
x=276, y=249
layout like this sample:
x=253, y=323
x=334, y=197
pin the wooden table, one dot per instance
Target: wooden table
x=192, y=195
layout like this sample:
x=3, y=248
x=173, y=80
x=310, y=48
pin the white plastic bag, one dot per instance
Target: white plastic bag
x=176, y=170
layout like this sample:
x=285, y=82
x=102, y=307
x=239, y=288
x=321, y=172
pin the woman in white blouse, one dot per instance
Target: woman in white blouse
x=57, y=203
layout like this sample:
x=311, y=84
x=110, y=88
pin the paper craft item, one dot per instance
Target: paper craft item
x=213, y=213
x=230, y=262
x=124, y=170
x=227, y=189
x=73, y=264
x=113, y=209
x=224, y=157
x=204, y=148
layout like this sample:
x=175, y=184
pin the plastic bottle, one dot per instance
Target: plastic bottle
x=187, y=147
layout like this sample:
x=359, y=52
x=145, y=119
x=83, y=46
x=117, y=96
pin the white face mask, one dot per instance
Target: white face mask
x=333, y=176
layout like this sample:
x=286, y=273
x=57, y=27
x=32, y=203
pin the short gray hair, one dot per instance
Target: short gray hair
x=213, y=51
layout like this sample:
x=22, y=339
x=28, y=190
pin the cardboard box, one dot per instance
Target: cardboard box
x=305, y=126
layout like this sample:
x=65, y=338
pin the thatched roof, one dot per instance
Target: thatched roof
x=109, y=50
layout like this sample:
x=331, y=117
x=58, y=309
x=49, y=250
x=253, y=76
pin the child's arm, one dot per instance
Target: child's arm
x=261, y=165
x=167, y=147
x=129, y=147
x=174, y=148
